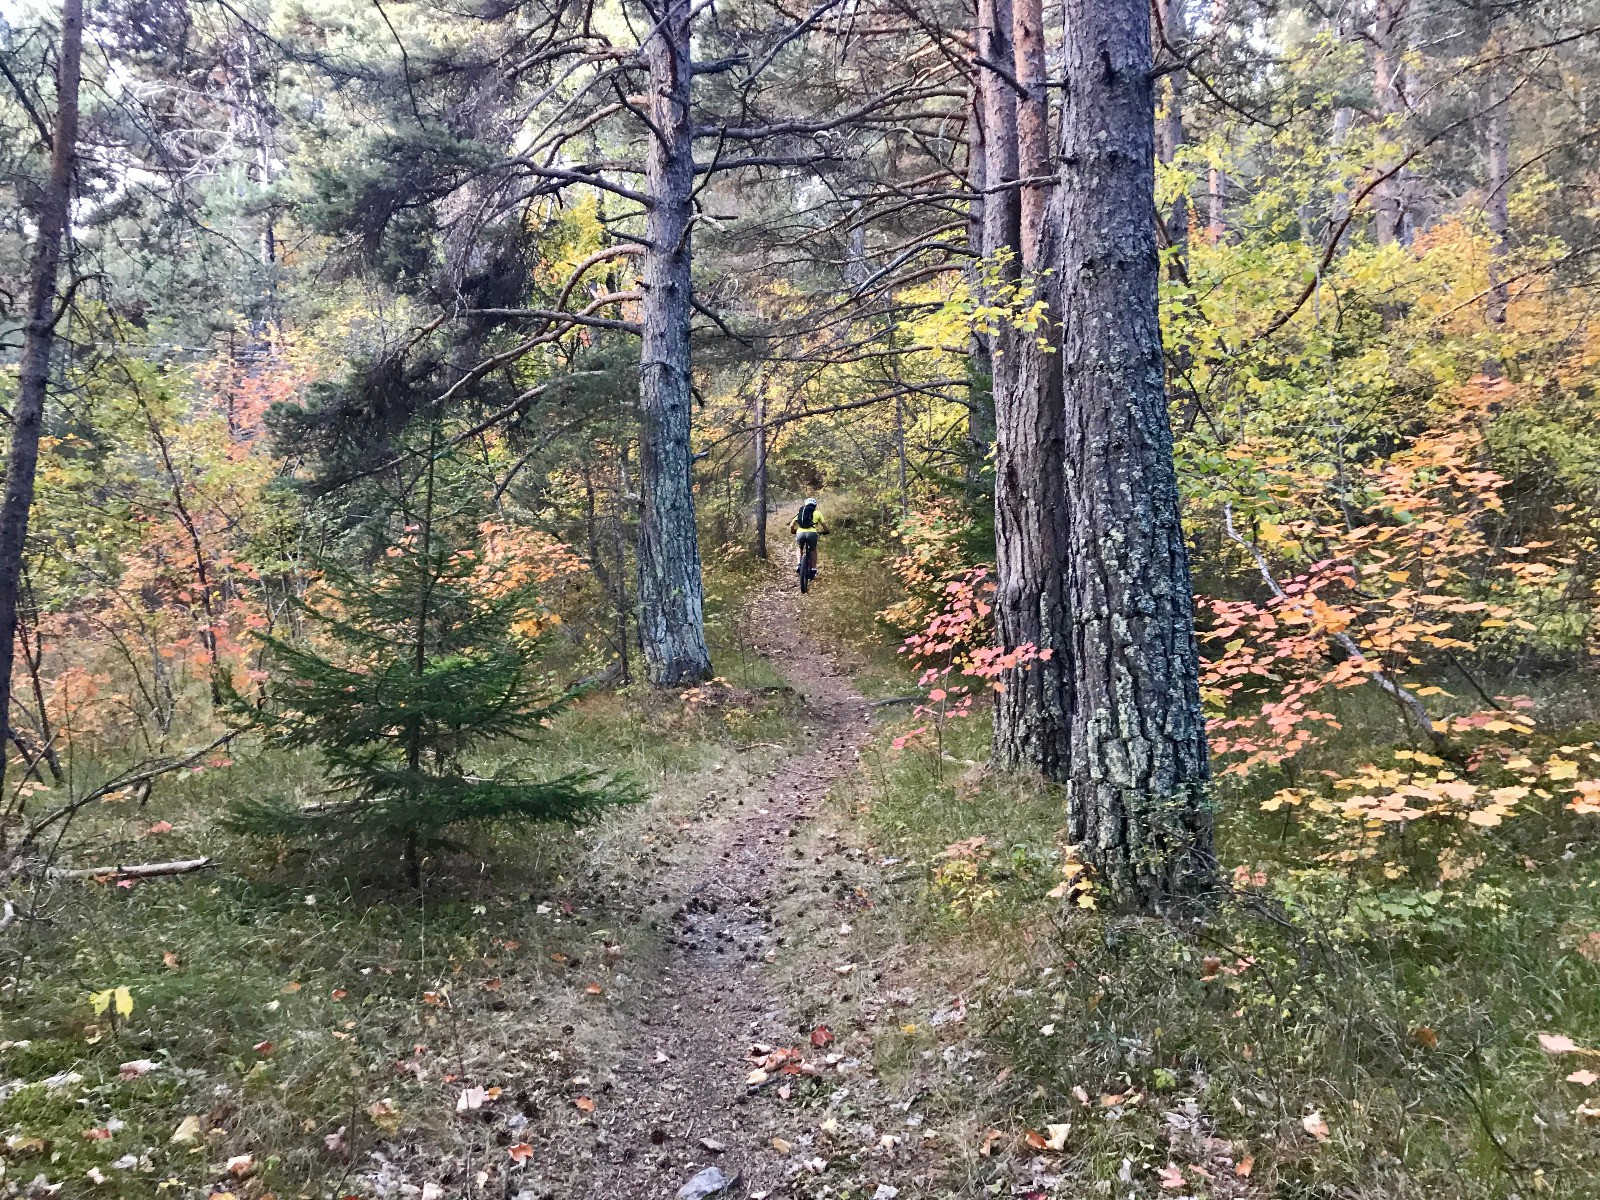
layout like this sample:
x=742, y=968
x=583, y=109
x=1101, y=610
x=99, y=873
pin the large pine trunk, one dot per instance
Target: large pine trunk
x=671, y=609
x=1138, y=770
x=1031, y=712
x=52, y=214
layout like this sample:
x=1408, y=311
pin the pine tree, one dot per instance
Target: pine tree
x=421, y=661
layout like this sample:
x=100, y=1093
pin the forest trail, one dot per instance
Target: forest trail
x=668, y=1118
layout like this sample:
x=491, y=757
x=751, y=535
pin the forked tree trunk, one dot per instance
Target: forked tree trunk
x=1031, y=713
x=52, y=215
x=671, y=606
x=1138, y=771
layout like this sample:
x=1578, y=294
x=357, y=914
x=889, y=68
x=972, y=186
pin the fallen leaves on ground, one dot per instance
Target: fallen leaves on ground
x=1315, y=1125
x=474, y=1098
x=1560, y=1043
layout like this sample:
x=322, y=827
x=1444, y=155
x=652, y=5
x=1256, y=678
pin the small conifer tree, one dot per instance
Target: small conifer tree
x=421, y=661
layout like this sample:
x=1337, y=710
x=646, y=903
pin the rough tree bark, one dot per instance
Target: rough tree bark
x=52, y=214
x=1031, y=713
x=1138, y=770
x=671, y=604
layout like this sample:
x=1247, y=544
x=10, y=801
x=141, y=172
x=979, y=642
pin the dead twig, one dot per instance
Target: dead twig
x=135, y=870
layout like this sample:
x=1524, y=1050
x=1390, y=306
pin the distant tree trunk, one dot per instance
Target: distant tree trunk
x=1033, y=125
x=52, y=215
x=900, y=453
x=980, y=388
x=761, y=470
x=1002, y=205
x=1497, y=138
x=1390, y=217
x=671, y=605
x=619, y=559
x=1031, y=713
x=1216, y=204
x=1169, y=127
x=1138, y=771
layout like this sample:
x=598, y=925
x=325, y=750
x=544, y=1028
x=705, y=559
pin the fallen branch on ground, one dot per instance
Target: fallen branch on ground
x=134, y=870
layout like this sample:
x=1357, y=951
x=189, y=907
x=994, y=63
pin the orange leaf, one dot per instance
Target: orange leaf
x=583, y=1104
x=520, y=1153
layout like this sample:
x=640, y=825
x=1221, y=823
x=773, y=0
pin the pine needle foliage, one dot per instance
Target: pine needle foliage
x=414, y=666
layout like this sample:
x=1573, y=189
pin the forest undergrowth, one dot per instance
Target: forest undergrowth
x=261, y=1028
x=280, y=1023
x=1317, y=1034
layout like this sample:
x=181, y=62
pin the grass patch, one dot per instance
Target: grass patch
x=307, y=1017
x=1405, y=1020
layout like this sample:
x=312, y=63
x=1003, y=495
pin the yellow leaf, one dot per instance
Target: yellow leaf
x=1561, y=768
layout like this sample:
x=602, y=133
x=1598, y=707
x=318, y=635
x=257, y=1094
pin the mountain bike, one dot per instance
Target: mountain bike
x=806, y=568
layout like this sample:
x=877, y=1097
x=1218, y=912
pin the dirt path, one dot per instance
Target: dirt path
x=679, y=1100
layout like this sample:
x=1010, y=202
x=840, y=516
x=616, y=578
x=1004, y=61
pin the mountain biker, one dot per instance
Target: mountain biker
x=807, y=527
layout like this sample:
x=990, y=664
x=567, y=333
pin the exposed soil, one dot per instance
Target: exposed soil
x=679, y=1098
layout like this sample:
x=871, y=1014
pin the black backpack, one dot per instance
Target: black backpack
x=808, y=515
